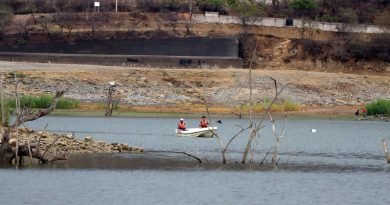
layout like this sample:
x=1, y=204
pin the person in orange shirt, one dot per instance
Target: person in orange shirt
x=364, y=111
x=181, y=125
x=203, y=122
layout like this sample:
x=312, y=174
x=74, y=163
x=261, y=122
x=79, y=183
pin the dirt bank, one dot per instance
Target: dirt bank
x=278, y=47
x=156, y=88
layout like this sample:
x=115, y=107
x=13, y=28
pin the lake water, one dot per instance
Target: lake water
x=342, y=163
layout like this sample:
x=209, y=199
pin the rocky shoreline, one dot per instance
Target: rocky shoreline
x=64, y=145
x=170, y=86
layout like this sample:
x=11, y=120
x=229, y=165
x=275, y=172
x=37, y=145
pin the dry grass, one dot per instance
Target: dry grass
x=286, y=106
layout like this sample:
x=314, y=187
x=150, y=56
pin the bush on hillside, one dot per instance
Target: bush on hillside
x=378, y=48
x=380, y=106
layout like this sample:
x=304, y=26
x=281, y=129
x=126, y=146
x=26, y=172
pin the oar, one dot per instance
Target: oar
x=219, y=121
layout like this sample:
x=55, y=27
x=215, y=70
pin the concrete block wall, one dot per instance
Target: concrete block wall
x=281, y=22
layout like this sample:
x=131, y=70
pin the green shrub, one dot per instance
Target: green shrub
x=381, y=106
x=329, y=18
x=64, y=103
x=43, y=101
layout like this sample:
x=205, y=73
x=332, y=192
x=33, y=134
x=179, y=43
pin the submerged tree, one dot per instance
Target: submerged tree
x=253, y=127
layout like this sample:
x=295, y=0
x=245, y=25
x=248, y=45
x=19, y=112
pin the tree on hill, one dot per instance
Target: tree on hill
x=5, y=18
x=348, y=15
x=304, y=7
x=211, y=5
x=248, y=12
x=383, y=20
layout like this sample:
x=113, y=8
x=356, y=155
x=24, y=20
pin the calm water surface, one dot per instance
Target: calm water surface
x=346, y=158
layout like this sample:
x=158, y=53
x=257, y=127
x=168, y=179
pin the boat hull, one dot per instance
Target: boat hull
x=197, y=132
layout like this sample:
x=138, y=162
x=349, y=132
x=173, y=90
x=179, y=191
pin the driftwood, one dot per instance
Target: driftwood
x=7, y=153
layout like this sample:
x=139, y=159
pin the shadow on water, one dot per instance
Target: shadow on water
x=174, y=161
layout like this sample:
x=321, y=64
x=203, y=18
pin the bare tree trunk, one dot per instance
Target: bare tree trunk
x=275, y=159
x=6, y=152
x=253, y=130
x=17, y=106
x=211, y=121
x=109, y=105
x=276, y=149
x=387, y=155
x=249, y=144
x=29, y=151
x=250, y=82
x=3, y=116
x=240, y=115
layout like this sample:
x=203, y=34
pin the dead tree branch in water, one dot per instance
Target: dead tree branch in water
x=51, y=145
x=178, y=152
x=211, y=121
x=254, y=128
x=250, y=82
x=387, y=155
x=277, y=136
x=222, y=147
x=265, y=156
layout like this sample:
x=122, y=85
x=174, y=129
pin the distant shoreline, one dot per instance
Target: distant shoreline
x=157, y=113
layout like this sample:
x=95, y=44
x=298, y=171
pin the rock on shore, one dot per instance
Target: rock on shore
x=60, y=144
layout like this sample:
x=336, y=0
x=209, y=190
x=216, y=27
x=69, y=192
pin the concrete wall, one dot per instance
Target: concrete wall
x=125, y=60
x=191, y=46
x=170, y=52
x=281, y=22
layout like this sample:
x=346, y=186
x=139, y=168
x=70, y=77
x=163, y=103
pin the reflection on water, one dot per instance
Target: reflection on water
x=342, y=163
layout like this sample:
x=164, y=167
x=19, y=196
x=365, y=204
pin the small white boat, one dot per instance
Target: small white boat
x=196, y=132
